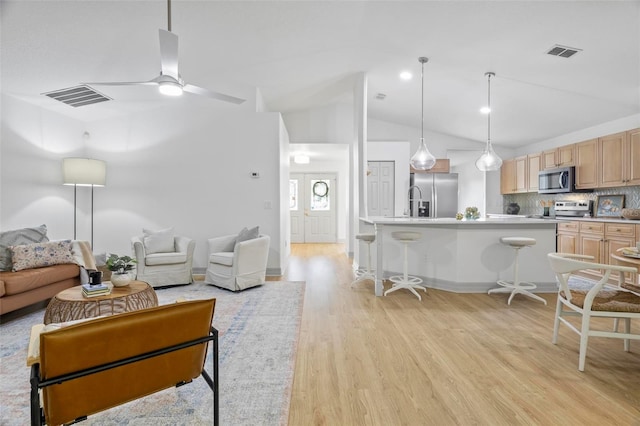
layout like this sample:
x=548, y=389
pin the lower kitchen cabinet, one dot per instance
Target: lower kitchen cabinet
x=591, y=239
x=596, y=239
x=568, y=237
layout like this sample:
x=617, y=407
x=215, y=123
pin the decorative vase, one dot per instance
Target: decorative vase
x=121, y=280
x=513, y=208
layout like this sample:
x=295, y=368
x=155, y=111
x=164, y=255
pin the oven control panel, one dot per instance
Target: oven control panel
x=575, y=208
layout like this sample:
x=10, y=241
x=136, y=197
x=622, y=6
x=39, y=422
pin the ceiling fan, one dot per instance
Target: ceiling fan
x=169, y=81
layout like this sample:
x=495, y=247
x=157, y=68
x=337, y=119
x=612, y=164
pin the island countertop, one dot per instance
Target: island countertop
x=463, y=256
x=483, y=221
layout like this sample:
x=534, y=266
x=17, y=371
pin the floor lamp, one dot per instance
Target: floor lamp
x=83, y=172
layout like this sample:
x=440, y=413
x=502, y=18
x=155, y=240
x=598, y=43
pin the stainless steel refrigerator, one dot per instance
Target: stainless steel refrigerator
x=439, y=194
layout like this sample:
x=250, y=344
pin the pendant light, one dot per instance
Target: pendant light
x=489, y=160
x=422, y=159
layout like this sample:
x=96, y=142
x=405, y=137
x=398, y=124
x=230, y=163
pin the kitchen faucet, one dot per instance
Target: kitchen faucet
x=408, y=211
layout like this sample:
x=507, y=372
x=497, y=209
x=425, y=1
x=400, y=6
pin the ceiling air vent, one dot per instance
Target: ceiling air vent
x=78, y=96
x=563, y=51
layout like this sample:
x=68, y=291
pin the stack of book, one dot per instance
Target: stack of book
x=95, y=290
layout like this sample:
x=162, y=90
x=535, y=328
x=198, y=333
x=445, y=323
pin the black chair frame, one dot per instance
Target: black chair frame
x=37, y=412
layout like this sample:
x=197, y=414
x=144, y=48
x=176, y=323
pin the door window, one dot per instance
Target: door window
x=293, y=195
x=320, y=195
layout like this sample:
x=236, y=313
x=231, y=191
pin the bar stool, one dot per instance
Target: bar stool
x=367, y=274
x=517, y=286
x=405, y=280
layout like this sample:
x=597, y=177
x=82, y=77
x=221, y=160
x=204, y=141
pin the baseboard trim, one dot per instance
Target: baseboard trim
x=474, y=287
x=199, y=273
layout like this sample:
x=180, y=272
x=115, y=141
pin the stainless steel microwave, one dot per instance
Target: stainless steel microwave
x=556, y=181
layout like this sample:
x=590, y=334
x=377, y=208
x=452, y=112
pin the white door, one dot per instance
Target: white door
x=380, y=188
x=313, y=208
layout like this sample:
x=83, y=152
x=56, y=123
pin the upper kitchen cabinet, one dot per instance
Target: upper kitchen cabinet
x=513, y=175
x=564, y=156
x=612, y=161
x=587, y=164
x=442, y=166
x=633, y=171
x=609, y=161
x=508, y=176
x=533, y=167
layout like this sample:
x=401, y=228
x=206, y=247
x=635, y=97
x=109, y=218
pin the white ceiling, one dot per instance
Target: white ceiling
x=304, y=54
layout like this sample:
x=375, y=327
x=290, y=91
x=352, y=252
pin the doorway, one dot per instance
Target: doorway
x=312, y=204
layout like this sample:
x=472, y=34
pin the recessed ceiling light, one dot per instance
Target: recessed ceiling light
x=485, y=110
x=301, y=159
x=406, y=75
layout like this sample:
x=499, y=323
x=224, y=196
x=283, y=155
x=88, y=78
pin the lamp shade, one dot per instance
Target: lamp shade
x=84, y=172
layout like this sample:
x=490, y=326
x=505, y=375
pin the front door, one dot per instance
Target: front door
x=313, y=207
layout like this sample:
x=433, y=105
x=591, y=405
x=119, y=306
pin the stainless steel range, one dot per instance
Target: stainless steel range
x=573, y=208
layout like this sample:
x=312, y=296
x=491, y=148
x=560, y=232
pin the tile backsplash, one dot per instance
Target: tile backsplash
x=530, y=202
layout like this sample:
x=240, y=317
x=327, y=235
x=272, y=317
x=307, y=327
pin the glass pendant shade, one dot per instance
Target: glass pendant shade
x=423, y=159
x=489, y=160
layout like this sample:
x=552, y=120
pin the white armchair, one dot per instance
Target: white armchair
x=237, y=266
x=167, y=268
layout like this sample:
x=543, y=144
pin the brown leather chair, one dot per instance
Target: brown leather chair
x=95, y=365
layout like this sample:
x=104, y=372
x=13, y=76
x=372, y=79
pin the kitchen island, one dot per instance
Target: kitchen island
x=462, y=256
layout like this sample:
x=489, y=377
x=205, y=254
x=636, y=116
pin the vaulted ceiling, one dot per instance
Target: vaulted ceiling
x=304, y=54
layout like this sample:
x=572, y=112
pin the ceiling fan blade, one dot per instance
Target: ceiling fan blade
x=123, y=83
x=169, y=53
x=215, y=95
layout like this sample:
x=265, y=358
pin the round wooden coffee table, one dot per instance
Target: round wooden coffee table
x=70, y=304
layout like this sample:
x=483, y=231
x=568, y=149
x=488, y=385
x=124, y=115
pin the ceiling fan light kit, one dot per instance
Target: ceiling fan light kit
x=170, y=88
x=489, y=160
x=423, y=159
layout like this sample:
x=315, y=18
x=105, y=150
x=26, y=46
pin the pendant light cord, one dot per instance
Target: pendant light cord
x=422, y=101
x=422, y=60
x=489, y=75
x=489, y=106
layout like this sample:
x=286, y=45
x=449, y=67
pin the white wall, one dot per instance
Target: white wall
x=327, y=124
x=180, y=166
x=603, y=129
x=283, y=206
x=471, y=181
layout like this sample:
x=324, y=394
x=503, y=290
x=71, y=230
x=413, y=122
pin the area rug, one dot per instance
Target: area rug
x=259, y=330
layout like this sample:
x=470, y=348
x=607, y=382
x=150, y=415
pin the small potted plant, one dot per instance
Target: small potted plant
x=471, y=213
x=120, y=267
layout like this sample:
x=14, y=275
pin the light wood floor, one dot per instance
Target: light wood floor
x=451, y=359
